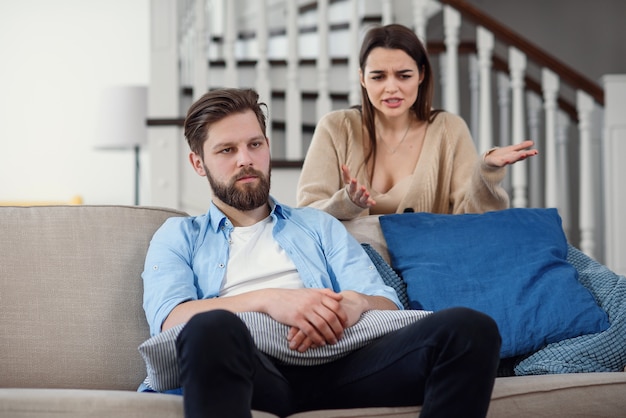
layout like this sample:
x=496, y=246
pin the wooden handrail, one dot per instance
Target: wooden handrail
x=533, y=52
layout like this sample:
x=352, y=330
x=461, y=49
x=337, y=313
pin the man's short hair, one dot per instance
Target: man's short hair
x=215, y=106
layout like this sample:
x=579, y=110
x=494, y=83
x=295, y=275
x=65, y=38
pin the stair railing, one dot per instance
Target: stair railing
x=523, y=93
x=589, y=99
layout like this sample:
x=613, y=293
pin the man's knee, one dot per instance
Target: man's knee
x=471, y=326
x=214, y=330
x=215, y=319
x=473, y=319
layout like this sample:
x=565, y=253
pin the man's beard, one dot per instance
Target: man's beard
x=246, y=196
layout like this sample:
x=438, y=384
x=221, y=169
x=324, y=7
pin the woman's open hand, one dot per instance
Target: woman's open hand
x=499, y=157
x=358, y=193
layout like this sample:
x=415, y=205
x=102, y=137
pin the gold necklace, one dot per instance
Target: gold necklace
x=393, y=150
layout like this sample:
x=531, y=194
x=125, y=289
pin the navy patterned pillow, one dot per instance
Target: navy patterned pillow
x=600, y=352
x=389, y=275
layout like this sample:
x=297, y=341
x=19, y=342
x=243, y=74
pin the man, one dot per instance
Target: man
x=301, y=267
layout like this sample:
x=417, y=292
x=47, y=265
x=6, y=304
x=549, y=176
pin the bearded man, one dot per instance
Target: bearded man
x=300, y=266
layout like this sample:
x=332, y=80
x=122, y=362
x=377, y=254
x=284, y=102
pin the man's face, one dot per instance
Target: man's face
x=236, y=162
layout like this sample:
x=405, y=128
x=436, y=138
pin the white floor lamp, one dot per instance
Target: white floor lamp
x=122, y=122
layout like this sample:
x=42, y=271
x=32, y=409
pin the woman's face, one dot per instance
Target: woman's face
x=392, y=80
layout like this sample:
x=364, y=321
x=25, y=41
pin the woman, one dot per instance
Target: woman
x=395, y=153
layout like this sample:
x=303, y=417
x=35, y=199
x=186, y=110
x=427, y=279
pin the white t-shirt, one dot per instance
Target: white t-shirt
x=256, y=261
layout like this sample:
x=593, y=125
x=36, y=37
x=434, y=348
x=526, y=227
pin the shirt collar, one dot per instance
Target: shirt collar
x=276, y=209
x=217, y=219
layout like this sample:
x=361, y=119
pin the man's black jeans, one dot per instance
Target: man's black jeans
x=446, y=362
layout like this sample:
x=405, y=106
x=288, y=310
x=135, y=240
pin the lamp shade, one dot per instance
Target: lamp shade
x=122, y=117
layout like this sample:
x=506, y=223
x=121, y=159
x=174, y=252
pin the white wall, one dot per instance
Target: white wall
x=56, y=59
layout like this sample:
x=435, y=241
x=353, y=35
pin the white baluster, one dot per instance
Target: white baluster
x=504, y=103
x=208, y=42
x=323, y=104
x=186, y=55
x=474, y=86
x=550, y=87
x=217, y=27
x=585, y=107
x=562, y=162
x=597, y=131
x=485, y=44
x=164, y=102
x=230, y=37
x=452, y=23
x=386, y=12
x=182, y=37
x=517, y=64
x=262, y=82
x=200, y=74
x=183, y=60
x=293, y=104
x=420, y=18
x=443, y=77
x=614, y=152
x=354, y=96
x=536, y=179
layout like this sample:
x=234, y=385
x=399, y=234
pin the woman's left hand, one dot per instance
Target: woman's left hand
x=499, y=157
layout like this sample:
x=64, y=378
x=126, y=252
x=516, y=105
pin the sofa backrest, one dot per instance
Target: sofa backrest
x=71, y=311
x=71, y=293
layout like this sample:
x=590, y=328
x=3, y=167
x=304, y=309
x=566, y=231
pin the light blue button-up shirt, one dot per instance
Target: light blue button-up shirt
x=187, y=258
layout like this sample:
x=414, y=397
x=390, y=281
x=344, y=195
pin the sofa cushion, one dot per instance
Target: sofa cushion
x=601, y=352
x=565, y=396
x=80, y=403
x=562, y=396
x=509, y=264
x=71, y=311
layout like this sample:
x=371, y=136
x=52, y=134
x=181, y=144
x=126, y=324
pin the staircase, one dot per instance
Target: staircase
x=302, y=58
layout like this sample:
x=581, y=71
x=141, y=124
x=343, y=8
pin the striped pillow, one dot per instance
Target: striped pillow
x=159, y=352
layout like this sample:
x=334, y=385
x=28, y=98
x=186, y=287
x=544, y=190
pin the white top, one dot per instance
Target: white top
x=256, y=261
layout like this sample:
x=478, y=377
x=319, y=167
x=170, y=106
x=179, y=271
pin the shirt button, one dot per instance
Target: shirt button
x=221, y=265
x=371, y=267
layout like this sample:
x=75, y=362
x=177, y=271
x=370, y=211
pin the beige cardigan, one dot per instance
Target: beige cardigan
x=448, y=178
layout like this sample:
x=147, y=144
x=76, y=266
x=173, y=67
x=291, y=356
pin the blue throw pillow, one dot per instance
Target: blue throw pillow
x=510, y=264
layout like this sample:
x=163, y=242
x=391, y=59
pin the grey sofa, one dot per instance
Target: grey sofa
x=71, y=321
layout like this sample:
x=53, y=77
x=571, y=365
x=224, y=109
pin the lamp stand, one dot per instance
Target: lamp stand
x=137, y=175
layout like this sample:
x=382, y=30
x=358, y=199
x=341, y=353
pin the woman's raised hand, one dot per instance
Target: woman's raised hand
x=358, y=193
x=499, y=157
